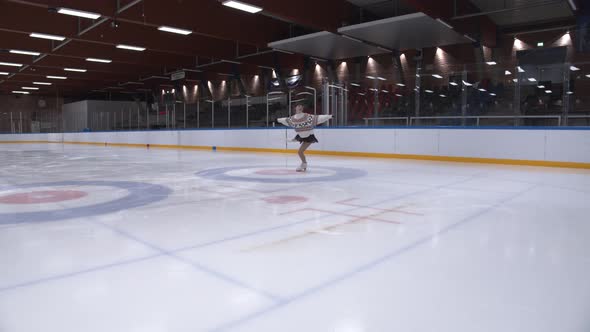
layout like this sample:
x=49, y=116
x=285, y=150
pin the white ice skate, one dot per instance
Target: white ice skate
x=302, y=167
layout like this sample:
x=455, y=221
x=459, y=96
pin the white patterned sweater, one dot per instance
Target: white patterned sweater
x=303, y=123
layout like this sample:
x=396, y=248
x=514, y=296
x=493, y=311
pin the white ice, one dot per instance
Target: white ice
x=409, y=246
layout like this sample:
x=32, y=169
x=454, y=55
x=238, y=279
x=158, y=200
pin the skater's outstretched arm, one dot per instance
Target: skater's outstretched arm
x=323, y=118
x=283, y=121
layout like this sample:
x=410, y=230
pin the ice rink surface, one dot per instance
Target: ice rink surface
x=99, y=239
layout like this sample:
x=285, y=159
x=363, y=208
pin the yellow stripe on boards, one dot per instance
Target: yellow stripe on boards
x=541, y=163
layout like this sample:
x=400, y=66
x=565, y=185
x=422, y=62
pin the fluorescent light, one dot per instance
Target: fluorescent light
x=437, y=76
x=79, y=13
x=428, y=91
x=76, y=70
x=372, y=77
x=10, y=64
x=242, y=6
x=361, y=94
x=492, y=94
x=381, y=78
x=573, y=5
x=444, y=23
x=453, y=83
x=175, y=30
x=467, y=83
x=541, y=87
x=21, y=92
x=99, y=60
x=397, y=94
x=540, y=44
x=515, y=80
x=548, y=91
x=588, y=75
x=570, y=93
x=132, y=48
x=520, y=70
x=29, y=88
x=373, y=89
x=574, y=68
x=385, y=91
x=46, y=36
x=443, y=96
x=482, y=90
x=42, y=83
x=4, y=73
x=355, y=84
x=507, y=73
x=531, y=79
x=400, y=84
x=491, y=63
x=25, y=52
x=57, y=77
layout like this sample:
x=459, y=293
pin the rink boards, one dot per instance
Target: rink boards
x=523, y=146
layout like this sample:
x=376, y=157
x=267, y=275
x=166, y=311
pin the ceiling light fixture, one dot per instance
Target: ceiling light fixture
x=76, y=70
x=29, y=88
x=491, y=63
x=482, y=90
x=42, y=83
x=242, y=6
x=507, y=73
x=21, y=92
x=46, y=36
x=4, y=73
x=25, y=52
x=400, y=84
x=573, y=5
x=57, y=77
x=548, y=91
x=99, y=60
x=453, y=83
x=132, y=48
x=175, y=30
x=492, y=94
x=574, y=68
x=355, y=84
x=10, y=64
x=467, y=83
x=532, y=79
x=437, y=76
x=79, y=13
x=428, y=91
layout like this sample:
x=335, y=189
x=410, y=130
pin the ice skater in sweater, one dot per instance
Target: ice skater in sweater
x=303, y=123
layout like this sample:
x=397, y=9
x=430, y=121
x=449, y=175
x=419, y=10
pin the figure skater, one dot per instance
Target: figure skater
x=303, y=123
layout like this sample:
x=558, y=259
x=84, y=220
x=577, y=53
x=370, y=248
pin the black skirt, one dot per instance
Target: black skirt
x=308, y=139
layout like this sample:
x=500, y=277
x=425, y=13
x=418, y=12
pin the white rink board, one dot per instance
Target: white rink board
x=516, y=144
